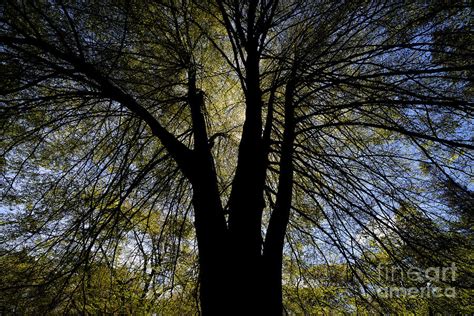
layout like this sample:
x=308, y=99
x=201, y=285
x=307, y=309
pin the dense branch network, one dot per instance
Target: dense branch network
x=283, y=131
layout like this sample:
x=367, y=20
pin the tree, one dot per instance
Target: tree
x=256, y=121
x=426, y=259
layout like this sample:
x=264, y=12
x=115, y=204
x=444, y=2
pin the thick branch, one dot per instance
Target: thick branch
x=178, y=150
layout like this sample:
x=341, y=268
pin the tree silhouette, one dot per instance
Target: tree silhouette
x=285, y=132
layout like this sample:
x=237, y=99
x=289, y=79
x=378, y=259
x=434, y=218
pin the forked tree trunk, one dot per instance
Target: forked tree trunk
x=238, y=276
x=233, y=281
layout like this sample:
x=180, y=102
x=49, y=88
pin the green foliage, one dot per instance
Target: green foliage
x=98, y=209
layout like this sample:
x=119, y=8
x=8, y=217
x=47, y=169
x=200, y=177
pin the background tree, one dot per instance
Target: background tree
x=283, y=131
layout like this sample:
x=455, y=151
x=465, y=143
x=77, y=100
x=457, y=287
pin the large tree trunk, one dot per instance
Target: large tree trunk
x=237, y=278
x=244, y=280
